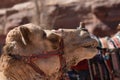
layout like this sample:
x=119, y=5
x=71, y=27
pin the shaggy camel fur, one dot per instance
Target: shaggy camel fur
x=29, y=39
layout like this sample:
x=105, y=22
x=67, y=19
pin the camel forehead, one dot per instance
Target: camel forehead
x=32, y=27
x=62, y=32
x=14, y=34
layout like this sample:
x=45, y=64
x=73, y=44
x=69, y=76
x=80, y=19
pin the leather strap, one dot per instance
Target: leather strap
x=29, y=59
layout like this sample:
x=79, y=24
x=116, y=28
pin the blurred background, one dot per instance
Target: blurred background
x=101, y=16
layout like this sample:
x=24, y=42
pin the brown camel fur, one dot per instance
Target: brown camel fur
x=30, y=39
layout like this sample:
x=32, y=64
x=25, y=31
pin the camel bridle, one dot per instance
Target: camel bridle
x=30, y=59
x=59, y=52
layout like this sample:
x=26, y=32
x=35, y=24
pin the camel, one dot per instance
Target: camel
x=31, y=53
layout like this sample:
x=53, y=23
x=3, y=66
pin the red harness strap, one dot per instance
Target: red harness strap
x=29, y=59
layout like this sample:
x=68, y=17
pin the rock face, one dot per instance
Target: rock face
x=101, y=16
x=10, y=3
x=15, y=16
x=107, y=16
x=17, y=19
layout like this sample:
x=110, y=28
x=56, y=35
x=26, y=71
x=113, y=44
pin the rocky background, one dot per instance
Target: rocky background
x=101, y=16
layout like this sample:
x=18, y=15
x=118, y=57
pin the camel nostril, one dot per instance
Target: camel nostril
x=44, y=35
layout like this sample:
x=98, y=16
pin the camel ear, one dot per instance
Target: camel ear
x=25, y=35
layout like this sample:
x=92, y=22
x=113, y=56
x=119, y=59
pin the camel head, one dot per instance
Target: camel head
x=79, y=44
x=28, y=39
